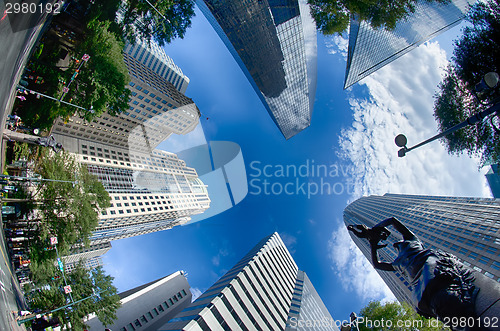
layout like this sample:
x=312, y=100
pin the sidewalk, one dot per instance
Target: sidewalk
x=13, y=323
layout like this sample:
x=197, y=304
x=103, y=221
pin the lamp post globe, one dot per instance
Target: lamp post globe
x=401, y=140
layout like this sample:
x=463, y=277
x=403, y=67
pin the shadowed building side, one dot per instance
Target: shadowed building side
x=149, y=306
x=267, y=40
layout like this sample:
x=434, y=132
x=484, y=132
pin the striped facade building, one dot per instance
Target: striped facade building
x=264, y=291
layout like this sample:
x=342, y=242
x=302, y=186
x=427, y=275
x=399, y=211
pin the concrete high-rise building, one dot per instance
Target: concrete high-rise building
x=91, y=256
x=469, y=228
x=370, y=49
x=149, y=192
x=157, y=107
x=493, y=178
x=154, y=57
x=308, y=311
x=263, y=291
x=149, y=306
x=267, y=38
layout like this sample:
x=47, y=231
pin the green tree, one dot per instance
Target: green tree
x=332, y=16
x=476, y=53
x=101, y=81
x=41, y=112
x=395, y=316
x=168, y=21
x=69, y=211
x=84, y=284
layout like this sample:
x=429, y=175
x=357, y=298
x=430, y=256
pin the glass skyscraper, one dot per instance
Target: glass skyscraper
x=469, y=228
x=263, y=291
x=268, y=41
x=370, y=49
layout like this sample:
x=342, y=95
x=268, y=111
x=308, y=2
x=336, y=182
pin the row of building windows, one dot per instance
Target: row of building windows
x=150, y=315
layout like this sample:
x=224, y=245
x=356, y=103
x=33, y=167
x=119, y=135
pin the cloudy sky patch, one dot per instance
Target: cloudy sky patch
x=399, y=99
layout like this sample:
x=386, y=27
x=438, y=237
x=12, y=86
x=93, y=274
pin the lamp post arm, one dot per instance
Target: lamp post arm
x=21, y=321
x=469, y=121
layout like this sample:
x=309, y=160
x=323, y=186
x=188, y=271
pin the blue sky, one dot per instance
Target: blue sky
x=351, y=134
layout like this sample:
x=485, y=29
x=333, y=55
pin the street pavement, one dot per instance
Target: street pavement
x=11, y=297
x=18, y=35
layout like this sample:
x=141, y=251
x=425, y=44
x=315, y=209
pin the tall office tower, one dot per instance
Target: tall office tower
x=493, y=178
x=466, y=227
x=268, y=41
x=149, y=306
x=258, y=293
x=157, y=107
x=149, y=192
x=91, y=256
x=155, y=58
x=371, y=49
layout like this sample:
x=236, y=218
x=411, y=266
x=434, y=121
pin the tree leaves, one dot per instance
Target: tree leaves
x=476, y=53
x=70, y=211
x=395, y=316
x=333, y=16
x=166, y=21
x=101, y=81
x=84, y=284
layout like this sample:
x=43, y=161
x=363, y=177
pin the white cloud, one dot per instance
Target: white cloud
x=289, y=241
x=337, y=44
x=216, y=259
x=195, y=292
x=354, y=270
x=400, y=100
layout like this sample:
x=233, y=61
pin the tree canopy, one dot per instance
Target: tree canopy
x=333, y=16
x=476, y=53
x=84, y=284
x=166, y=21
x=395, y=316
x=69, y=211
x=101, y=82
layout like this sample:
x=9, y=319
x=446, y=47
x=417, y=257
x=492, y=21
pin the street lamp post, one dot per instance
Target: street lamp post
x=489, y=81
x=21, y=321
x=85, y=58
x=22, y=88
